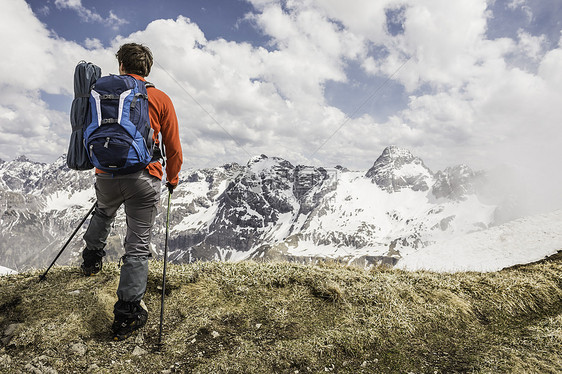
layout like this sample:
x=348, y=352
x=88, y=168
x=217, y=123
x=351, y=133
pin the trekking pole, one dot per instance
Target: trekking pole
x=164, y=272
x=44, y=275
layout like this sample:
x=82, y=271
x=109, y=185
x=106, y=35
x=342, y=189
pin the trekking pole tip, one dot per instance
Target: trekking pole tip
x=159, y=346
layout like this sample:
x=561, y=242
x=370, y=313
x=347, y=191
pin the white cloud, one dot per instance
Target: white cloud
x=514, y=4
x=115, y=21
x=38, y=62
x=88, y=15
x=44, y=10
x=523, y=6
x=551, y=69
x=38, y=59
x=531, y=46
x=84, y=13
x=29, y=127
x=310, y=50
x=93, y=43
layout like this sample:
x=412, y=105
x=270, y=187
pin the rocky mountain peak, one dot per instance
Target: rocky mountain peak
x=397, y=169
x=397, y=154
x=264, y=164
x=22, y=158
x=257, y=159
x=456, y=182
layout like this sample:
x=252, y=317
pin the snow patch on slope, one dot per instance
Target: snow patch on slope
x=6, y=271
x=520, y=241
x=359, y=218
x=61, y=200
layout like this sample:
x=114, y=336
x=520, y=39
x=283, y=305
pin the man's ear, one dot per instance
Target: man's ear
x=121, y=70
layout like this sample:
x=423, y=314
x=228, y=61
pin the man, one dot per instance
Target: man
x=140, y=193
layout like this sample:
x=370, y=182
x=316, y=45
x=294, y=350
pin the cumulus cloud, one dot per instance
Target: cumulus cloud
x=309, y=50
x=531, y=46
x=514, y=4
x=29, y=127
x=38, y=62
x=468, y=93
x=93, y=43
x=523, y=6
x=87, y=15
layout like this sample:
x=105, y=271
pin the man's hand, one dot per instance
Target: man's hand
x=171, y=187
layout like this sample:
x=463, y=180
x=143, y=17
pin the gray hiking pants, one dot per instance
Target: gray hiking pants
x=140, y=193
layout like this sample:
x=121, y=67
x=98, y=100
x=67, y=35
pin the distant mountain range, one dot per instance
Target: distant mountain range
x=267, y=209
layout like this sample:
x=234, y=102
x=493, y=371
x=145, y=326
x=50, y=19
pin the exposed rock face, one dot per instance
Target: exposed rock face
x=397, y=169
x=457, y=182
x=252, y=203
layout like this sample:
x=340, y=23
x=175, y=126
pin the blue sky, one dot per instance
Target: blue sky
x=222, y=19
x=318, y=82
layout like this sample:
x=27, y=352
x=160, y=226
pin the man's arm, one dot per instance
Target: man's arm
x=171, y=139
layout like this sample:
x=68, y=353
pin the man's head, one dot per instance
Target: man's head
x=134, y=59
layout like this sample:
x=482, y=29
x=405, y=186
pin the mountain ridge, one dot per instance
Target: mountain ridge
x=266, y=209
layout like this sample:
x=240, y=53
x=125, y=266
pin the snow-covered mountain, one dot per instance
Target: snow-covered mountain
x=266, y=210
x=520, y=241
x=397, y=169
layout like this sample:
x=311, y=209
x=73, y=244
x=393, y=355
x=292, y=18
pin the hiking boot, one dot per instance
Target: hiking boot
x=92, y=262
x=124, y=325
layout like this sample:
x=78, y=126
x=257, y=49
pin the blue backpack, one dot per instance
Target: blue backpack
x=119, y=137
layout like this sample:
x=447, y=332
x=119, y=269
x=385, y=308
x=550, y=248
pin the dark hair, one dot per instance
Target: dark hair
x=136, y=58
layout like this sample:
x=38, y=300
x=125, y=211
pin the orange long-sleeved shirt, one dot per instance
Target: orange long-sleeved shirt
x=163, y=120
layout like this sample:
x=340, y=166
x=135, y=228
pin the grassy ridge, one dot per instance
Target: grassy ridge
x=287, y=318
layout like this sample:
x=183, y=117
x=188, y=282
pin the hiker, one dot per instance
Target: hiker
x=140, y=193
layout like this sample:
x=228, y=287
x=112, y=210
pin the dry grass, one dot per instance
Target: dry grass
x=287, y=318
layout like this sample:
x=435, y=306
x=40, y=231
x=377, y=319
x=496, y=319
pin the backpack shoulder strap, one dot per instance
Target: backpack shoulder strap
x=149, y=84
